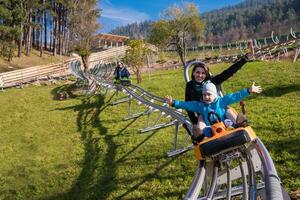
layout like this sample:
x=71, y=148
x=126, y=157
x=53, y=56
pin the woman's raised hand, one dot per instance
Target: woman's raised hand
x=168, y=100
x=255, y=89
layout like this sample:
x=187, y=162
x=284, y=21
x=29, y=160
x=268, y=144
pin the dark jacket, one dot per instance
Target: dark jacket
x=191, y=93
x=121, y=73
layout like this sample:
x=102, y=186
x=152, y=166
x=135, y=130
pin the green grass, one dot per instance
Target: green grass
x=81, y=148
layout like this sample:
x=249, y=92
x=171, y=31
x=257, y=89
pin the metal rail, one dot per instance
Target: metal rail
x=253, y=161
x=247, y=171
x=152, y=103
x=224, y=178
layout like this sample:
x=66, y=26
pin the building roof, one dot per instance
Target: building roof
x=111, y=37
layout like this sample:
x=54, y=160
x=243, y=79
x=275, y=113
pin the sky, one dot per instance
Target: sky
x=122, y=12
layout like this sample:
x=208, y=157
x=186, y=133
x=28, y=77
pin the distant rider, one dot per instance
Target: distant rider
x=121, y=72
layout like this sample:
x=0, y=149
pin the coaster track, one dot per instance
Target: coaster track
x=236, y=164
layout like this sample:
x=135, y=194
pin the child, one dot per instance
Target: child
x=212, y=102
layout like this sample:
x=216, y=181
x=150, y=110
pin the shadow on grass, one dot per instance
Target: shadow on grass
x=95, y=180
x=286, y=154
x=123, y=158
x=68, y=89
x=148, y=177
x=287, y=144
x=280, y=90
x=98, y=169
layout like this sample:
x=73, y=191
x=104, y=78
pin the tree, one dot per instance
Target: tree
x=27, y=22
x=83, y=25
x=177, y=28
x=29, y=8
x=135, y=56
x=10, y=19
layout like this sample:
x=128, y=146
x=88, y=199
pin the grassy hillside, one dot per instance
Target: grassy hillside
x=81, y=148
x=33, y=60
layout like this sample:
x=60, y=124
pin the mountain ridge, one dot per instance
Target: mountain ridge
x=249, y=19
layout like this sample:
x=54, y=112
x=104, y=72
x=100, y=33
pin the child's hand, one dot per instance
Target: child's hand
x=255, y=89
x=168, y=100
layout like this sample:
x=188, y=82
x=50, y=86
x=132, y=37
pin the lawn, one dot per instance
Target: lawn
x=81, y=148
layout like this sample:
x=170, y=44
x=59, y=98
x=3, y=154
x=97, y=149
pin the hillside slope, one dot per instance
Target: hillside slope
x=252, y=18
x=29, y=61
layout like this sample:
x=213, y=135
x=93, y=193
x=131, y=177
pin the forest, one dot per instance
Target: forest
x=251, y=18
x=56, y=26
x=53, y=25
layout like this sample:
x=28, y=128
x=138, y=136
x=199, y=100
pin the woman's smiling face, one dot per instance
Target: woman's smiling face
x=199, y=74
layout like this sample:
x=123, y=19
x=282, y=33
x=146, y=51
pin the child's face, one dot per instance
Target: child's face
x=199, y=74
x=208, y=97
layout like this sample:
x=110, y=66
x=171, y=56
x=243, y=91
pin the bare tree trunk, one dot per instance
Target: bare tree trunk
x=148, y=66
x=59, y=29
x=85, y=63
x=20, y=42
x=180, y=53
x=183, y=50
x=29, y=36
x=51, y=34
x=64, y=38
x=70, y=40
x=45, y=28
x=64, y=42
x=180, y=50
x=54, y=36
x=138, y=75
x=11, y=51
x=41, y=32
x=10, y=55
x=35, y=40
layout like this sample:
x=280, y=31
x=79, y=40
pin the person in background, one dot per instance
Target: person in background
x=121, y=72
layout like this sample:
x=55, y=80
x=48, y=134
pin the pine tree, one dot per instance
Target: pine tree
x=10, y=21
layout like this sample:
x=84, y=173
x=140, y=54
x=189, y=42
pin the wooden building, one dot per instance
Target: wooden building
x=106, y=41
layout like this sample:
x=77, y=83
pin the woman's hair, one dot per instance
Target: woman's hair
x=121, y=64
x=203, y=66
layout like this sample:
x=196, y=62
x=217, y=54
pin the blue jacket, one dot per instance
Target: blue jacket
x=121, y=73
x=219, y=105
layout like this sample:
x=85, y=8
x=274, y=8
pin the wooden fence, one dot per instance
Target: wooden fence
x=30, y=74
x=27, y=75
